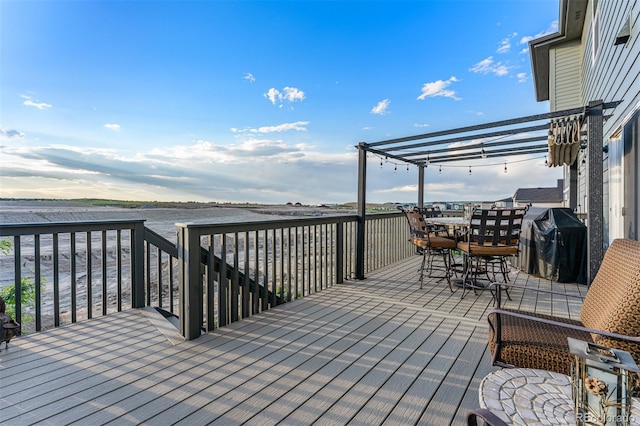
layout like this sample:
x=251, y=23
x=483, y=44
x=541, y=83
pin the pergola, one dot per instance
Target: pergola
x=515, y=137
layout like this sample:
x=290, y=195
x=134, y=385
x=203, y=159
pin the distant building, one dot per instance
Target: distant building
x=504, y=203
x=540, y=197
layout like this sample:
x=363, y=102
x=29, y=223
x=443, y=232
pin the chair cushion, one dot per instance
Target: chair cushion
x=532, y=344
x=434, y=242
x=487, y=249
x=442, y=242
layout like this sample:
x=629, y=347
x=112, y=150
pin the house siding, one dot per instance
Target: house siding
x=566, y=79
x=614, y=75
x=610, y=73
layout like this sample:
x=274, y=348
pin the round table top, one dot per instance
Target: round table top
x=525, y=396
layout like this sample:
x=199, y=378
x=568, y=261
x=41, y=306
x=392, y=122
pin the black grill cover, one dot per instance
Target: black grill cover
x=553, y=245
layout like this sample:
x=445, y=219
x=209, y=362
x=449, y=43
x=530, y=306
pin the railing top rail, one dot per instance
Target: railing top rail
x=15, y=229
x=384, y=215
x=204, y=228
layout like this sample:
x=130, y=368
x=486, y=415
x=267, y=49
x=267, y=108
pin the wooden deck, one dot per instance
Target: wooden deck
x=368, y=352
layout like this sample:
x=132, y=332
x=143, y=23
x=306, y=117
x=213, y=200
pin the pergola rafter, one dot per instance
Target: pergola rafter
x=476, y=148
x=466, y=138
x=476, y=143
x=518, y=150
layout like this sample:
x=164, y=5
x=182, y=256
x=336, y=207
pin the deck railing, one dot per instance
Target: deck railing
x=70, y=271
x=216, y=273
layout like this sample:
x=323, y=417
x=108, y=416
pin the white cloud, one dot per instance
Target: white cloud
x=292, y=94
x=505, y=44
x=522, y=77
x=420, y=125
x=11, y=134
x=288, y=94
x=504, y=47
x=39, y=105
x=274, y=171
x=553, y=27
x=113, y=126
x=300, y=126
x=381, y=107
x=273, y=95
x=489, y=66
x=439, y=88
x=248, y=76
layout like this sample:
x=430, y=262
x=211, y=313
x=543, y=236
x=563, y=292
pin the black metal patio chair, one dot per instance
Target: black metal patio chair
x=431, y=241
x=492, y=236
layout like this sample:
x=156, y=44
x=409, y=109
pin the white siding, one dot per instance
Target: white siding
x=565, y=76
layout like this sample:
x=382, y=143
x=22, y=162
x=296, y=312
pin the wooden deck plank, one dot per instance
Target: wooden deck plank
x=444, y=405
x=408, y=391
x=372, y=351
x=318, y=369
x=342, y=396
x=208, y=368
x=470, y=398
x=61, y=362
x=265, y=371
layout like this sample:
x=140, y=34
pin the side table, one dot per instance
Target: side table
x=525, y=396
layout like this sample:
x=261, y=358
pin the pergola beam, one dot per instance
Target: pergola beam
x=539, y=127
x=522, y=150
x=478, y=146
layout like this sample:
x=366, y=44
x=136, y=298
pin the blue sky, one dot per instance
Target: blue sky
x=257, y=101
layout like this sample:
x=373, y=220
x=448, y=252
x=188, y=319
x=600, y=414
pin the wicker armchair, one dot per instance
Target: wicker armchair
x=431, y=241
x=610, y=316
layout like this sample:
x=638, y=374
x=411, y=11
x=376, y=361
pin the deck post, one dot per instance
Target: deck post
x=362, y=206
x=595, y=214
x=420, y=185
x=190, y=282
x=339, y=252
x=137, y=267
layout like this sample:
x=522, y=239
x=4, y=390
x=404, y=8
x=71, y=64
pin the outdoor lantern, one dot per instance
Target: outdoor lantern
x=601, y=384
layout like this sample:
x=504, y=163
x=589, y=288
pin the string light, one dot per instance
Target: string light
x=427, y=162
x=483, y=153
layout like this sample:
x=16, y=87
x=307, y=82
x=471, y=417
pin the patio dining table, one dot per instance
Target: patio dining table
x=452, y=222
x=459, y=226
